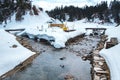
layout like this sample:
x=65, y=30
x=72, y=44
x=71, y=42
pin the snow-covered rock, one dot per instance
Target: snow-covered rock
x=11, y=52
x=112, y=57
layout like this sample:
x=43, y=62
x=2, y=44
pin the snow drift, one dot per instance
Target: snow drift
x=112, y=55
x=11, y=52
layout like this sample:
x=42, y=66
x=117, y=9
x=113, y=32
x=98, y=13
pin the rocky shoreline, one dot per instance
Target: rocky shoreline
x=28, y=61
x=99, y=69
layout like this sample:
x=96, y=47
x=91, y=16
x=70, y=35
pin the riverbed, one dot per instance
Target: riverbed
x=56, y=64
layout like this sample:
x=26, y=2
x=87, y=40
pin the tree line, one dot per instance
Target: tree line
x=103, y=11
x=9, y=7
x=71, y=13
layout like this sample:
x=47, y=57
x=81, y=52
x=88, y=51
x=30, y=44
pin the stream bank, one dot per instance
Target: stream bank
x=59, y=64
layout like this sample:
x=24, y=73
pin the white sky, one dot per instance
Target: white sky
x=51, y=4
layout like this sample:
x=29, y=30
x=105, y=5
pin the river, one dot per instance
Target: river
x=56, y=64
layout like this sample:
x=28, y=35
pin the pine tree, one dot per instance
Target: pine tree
x=115, y=11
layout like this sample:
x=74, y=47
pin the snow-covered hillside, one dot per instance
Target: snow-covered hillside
x=29, y=21
x=11, y=52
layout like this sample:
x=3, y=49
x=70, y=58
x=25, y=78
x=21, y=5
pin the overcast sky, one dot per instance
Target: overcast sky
x=73, y=0
x=51, y=4
x=64, y=0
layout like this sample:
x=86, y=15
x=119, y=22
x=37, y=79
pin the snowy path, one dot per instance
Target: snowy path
x=55, y=64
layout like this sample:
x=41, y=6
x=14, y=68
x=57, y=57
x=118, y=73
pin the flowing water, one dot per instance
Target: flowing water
x=55, y=64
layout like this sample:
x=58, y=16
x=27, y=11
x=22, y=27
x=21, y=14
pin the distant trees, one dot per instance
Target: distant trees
x=101, y=11
x=8, y=7
x=21, y=7
x=17, y=7
x=61, y=13
x=115, y=10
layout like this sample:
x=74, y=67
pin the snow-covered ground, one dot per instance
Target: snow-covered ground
x=30, y=21
x=56, y=36
x=37, y=26
x=112, y=55
x=11, y=52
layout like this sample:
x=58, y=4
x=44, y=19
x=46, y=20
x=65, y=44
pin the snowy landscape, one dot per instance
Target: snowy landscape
x=60, y=57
